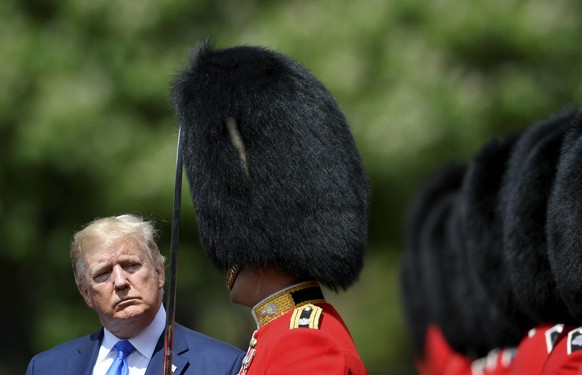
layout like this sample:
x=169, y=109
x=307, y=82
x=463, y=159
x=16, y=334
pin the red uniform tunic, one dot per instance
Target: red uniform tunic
x=534, y=349
x=497, y=362
x=566, y=357
x=439, y=358
x=300, y=336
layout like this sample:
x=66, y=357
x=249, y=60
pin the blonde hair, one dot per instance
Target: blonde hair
x=109, y=229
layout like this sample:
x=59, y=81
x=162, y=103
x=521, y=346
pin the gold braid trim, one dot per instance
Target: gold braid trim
x=281, y=303
x=307, y=316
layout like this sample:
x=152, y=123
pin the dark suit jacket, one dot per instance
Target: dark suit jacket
x=194, y=353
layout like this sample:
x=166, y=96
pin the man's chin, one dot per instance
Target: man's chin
x=128, y=322
x=129, y=309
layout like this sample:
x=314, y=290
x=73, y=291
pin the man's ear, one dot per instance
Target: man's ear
x=161, y=275
x=81, y=285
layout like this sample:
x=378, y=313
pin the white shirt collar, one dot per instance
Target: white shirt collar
x=145, y=342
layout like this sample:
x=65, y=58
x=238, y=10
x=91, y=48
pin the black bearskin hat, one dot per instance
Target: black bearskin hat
x=440, y=266
x=564, y=217
x=483, y=231
x=274, y=171
x=436, y=271
x=458, y=303
x=414, y=292
x=474, y=310
x=524, y=203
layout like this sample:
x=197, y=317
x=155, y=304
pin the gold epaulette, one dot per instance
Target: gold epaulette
x=287, y=300
x=306, y=316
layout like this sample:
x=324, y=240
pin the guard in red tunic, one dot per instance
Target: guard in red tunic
x=426, y=281
x=527, y=188
x=533, y=350
x=439, y=358
x=422, y=297
x=566, y=355
x=281, y=198
x=298, y=332
x=564, y=233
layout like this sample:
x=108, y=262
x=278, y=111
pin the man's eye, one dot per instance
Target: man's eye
x=132, y=267
x=101, y=276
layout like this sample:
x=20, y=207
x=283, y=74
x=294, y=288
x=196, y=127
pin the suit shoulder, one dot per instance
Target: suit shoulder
x=53, y=357
x=201, y=341
x=68, y=345
x=211, y=356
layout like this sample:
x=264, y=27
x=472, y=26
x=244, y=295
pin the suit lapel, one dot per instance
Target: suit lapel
x=156, y=364
x=180, y=347
x=82, y=360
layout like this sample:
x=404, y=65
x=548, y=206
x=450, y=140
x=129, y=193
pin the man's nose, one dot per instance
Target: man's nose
x=119, y=278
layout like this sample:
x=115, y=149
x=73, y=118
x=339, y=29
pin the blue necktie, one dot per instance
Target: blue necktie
x=119, y=366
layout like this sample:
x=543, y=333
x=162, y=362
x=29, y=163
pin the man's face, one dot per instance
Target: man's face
x=122, y=285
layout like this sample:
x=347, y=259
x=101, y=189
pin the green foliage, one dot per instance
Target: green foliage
x=86, y=130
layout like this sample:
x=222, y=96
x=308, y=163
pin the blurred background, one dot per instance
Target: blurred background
x=86, y=131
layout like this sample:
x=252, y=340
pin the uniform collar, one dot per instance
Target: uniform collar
x=285, y=300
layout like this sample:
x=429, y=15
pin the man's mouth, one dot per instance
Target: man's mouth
x=126, y=301
x=231, y=275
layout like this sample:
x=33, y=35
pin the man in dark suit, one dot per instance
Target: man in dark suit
x=119, y=271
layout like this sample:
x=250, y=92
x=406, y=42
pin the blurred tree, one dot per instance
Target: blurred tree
x=86, y=131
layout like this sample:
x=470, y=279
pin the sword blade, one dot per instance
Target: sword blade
x=171, y=290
